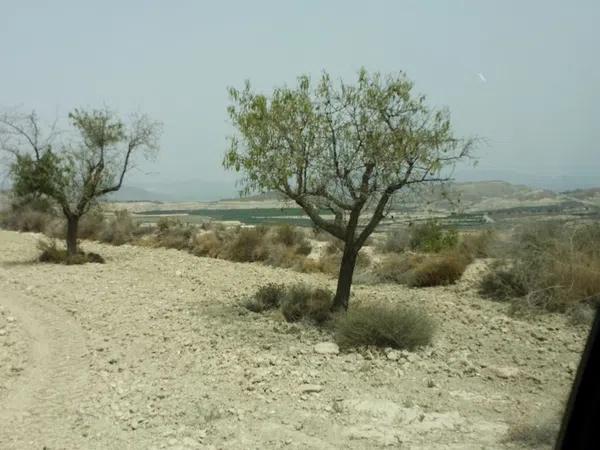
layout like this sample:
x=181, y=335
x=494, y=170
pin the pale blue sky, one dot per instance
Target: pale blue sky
x=538, y=109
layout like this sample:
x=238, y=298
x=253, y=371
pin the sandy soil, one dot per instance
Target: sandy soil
x=152, y=350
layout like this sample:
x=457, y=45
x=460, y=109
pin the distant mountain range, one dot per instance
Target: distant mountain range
x=518, y=185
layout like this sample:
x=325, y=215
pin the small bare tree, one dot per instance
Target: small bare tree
x=343, y=149
x=75, y=173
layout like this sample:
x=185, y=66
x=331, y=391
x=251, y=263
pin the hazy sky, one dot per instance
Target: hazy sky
x=538, y=108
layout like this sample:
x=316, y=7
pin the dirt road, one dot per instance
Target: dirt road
x=152, y=350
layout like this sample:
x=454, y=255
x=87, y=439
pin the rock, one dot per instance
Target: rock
x=178, y=273
x=393, y=355
x=11, y=319
x=311, y=388
x=505, y=372
x=3, y=332
x=327, y=348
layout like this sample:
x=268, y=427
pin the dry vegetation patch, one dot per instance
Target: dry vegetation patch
x=384, y=325
x=548, y=267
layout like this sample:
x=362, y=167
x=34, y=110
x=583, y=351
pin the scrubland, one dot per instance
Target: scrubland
x=222, y=337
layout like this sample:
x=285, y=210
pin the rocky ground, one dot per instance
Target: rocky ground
x=152, y=350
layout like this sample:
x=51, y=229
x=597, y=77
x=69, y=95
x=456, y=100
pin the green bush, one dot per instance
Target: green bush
x=304, y=302
x=431, y=237
x=267, y=297
x=383, y=325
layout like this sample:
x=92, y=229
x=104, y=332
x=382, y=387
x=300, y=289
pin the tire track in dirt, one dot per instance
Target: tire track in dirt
x=41, y=408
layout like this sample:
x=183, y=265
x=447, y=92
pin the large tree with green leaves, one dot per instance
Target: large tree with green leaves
x=344, y=149
x=75, y=169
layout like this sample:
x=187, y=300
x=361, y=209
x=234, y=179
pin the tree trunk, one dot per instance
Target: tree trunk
x=342, y=294
x=72, y=225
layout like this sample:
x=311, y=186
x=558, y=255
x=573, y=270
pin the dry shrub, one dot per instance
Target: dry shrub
x=267, y=297
x=173, y=233
x=394, y=268
x=395, y=241
x=383, y=325
x=91, y=225
x=245, y=245
x=438, y=270
x=207, y=244
x=288, y=235
x=331, y=258
x=502, y=283
x=549, y=267
x=50, y=253
x=120, y=229
x=27, y=219
x=478, y=244
x=304, y=302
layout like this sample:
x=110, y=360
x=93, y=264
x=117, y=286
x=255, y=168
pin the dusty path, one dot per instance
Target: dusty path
x=52, y=380
x=152, y=350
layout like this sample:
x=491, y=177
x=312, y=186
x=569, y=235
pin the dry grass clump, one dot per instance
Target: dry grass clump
x=383, y=325
x=437, y=270
x=305, y=302
x=50, y=253
x=279, y=246
x=209, y=243
x=418, y=270
x=549, y=267
x=244, y=246
x=266, y=298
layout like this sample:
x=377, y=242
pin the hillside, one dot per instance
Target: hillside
x=153, y=350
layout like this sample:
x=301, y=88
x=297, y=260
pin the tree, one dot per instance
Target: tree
x=344, y=149
x=76, y=172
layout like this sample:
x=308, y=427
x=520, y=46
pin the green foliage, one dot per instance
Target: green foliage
x=82, y=170
x=304, y=302
x=384, y=325
x=431, y=237
x=340, y=147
